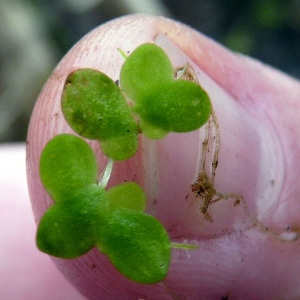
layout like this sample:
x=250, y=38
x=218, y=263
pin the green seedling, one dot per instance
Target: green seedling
x=85, y=214
x=149, y=100
x=96, y=109
x=161, y=102
x=89, y=215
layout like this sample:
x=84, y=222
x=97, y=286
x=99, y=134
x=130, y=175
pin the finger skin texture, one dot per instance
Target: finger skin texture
x=248, y=251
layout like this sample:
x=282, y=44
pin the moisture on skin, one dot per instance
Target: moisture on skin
x=259, y=158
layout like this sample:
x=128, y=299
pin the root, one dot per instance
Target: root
x=204, y=185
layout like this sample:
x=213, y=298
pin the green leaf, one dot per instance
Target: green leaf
x=70, y=228
x=138, y=246
x=67, y=164
x=127, y=195
x=162, y=103
x=95, y=108
x=120, y=148
x=152, y=131
x=146, y=66
x=177, y=106
x=84, y=214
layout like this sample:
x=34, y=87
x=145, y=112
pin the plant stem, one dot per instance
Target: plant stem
x=184, y=246
x=105, y=175
x=124, y=55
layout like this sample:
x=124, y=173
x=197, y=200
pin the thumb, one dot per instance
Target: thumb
x=229, y=187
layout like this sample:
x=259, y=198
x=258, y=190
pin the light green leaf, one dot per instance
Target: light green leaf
x=138, y=246
x=120, y=148
x=67, y=164
x=95, y=108
x=127, y=195
x=177, y=106
x=70, y=228
x=146, y=66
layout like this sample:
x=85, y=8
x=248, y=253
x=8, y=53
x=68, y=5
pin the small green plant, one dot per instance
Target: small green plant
x=85, y=214
x=96, y=108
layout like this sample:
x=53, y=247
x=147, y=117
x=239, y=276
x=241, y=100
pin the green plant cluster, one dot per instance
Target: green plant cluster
x=96, y=108
x=85, y=214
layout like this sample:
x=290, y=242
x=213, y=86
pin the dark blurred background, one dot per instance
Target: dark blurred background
x=35, y=34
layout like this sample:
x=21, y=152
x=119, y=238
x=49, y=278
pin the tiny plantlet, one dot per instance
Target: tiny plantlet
x=148, y=100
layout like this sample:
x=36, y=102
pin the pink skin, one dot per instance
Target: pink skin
x=258, y=111
x=25, y=272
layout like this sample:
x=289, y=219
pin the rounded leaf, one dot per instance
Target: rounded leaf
x=94, y=106
x=152, y=131
x=67, y=164
x=146, y=65
x=69, y=229
x=138, y=246
x=120, y=148
x=127, y=195
x=177, y=106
